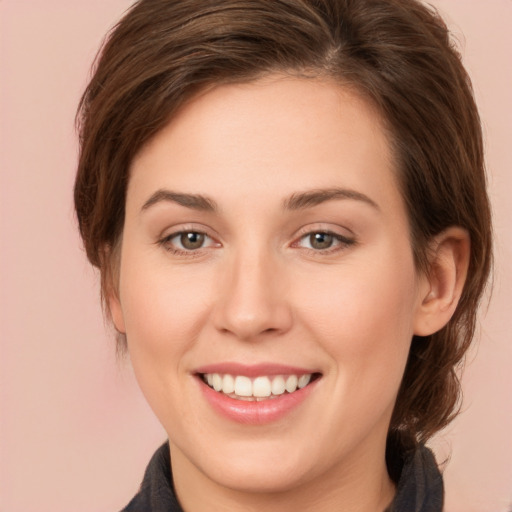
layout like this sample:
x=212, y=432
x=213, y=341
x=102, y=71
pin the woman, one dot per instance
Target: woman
x=286, y=201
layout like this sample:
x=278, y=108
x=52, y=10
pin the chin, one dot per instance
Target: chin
x=255, y=466
x=257, y=477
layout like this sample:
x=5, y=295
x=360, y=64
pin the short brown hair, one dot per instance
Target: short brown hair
x=397, y=53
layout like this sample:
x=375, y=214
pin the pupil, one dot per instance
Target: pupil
x=321, y=240
x=192, y=240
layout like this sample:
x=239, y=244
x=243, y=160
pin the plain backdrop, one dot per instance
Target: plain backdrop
x=75, y=431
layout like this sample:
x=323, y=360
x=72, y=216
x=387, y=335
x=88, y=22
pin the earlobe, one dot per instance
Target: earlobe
x=442, y=287
x=116, y=312
x=110, y=284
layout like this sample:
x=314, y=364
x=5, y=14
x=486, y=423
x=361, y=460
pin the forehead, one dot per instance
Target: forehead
x=286, y=131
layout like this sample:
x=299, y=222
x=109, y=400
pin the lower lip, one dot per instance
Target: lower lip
x=252, y=412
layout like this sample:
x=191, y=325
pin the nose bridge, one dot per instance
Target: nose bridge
x=253, y=298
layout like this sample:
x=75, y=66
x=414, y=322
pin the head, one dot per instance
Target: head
x=394, y=55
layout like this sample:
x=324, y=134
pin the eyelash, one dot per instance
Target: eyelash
x=166, y=242
x=340, y=242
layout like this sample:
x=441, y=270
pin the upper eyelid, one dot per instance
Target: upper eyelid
x=179, y=232
x=325, y=231
x=171, y=231
x=341, y=238
x=323, y=228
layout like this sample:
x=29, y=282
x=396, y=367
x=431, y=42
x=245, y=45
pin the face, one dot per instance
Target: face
x=267, y=284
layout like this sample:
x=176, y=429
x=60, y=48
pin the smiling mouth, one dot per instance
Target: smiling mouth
x=241, y=387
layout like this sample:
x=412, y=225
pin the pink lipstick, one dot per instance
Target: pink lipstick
x=255, y=394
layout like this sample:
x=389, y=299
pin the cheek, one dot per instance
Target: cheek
x=164, y=310
x=163, y=307
x=364, y=318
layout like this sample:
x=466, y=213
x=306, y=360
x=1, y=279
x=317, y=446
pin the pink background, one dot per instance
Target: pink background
x=75, y=432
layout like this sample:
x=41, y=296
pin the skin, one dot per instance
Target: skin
x=258, y=291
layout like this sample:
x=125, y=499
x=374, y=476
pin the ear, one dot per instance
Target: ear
x=442, y=286
x=111, y=259
x=116, y=311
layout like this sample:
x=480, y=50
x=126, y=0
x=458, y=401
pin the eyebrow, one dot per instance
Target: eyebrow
x=300, y=201
x=193, y=201
x=297, y=201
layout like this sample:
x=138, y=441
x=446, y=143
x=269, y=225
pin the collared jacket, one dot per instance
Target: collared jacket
x=419, y=487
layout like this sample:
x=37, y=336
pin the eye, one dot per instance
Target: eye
x=320, y=240
x=187, y=241
x=324, y=241
x=191, y=240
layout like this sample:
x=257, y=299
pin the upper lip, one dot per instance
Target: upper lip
x=253, y=370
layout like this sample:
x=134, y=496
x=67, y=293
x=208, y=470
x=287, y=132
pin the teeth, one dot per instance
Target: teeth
x=303, y=381
x=243, y=386
x=278, y=386
x=260, y=388
x=291, y=383
x=217, y=382
x=228, y=384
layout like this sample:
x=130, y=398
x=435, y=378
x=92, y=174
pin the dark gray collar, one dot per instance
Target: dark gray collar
x=419, y=489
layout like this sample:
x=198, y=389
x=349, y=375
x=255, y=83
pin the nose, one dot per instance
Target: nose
x=253, y=298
